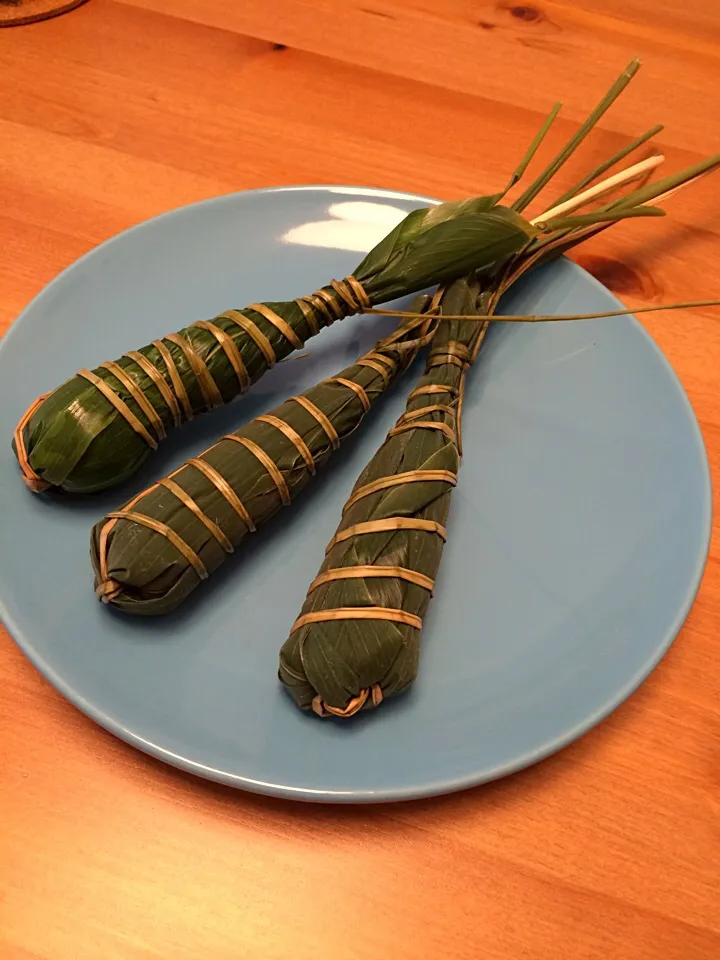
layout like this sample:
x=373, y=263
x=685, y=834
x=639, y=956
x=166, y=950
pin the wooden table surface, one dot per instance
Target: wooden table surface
x=121, y=110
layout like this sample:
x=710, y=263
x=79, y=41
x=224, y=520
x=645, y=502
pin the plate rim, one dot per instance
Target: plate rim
x=431, y=788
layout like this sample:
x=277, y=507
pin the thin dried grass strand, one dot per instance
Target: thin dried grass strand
x=453, y=348
x=454, y=352
x=382, y=358
x=120, y=405
x=356, y=389
x=381, y=363
x=33, y=481
x=138, y=396
x=209, y=389
x=175, y=378
x=309, y=315
x=440, y=360
x=458, y=421
x=424, y=425
x=377, y=367
x=225, y=489
x=432, y=388
x=279, y=323
x=556, y=317
x=294, y=438
x=358, y=613
x=335, y=306
x=422, y=411
x=108, y=588
x=398, y=479
x=354, y=706
x=167, y=532
x=349, y=296
x=187, y=501
x=267, y=462
x=681, y=186
x=321, y=418
x=255, y=334
x=372, y=572
x=352, y=292
x=230, y=350
x=158, y=379
x=387, y=525
x=320, y=307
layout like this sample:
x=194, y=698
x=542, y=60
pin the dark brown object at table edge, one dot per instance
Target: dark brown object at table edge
x=16, y=13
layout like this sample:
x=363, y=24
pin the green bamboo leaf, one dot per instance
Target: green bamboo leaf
x=335, y=665
x=574, y=142
x=78, y=439
x=97, y=428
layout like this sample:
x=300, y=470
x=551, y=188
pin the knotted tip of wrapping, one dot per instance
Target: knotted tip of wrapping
x=108, y=590
x=356, y=704
x=348, y=296
x=33, y=481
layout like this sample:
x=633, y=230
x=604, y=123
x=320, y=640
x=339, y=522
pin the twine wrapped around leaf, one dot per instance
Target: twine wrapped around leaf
x=97, y=428
x=357, y=638
x=151, y=554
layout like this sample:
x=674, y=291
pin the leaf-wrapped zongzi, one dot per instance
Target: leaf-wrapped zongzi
x=97, y=428
x=149, y=555
x=356, y=640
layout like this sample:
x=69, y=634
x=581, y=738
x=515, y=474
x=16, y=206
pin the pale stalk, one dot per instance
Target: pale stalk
x=605, y=186
x=550, y=317
x=610, y=162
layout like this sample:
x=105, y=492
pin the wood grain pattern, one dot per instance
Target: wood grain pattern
x=121, y=110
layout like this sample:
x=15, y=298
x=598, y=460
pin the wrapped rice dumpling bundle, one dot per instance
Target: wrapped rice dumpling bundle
x=151, y=554
x=97, y=428
x=356, y=640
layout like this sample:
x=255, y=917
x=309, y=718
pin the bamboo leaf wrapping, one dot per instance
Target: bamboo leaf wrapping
x=357, y=639
x=149, y=556
x=97, y=428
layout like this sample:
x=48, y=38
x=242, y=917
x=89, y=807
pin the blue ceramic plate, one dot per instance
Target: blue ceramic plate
x=577, y=537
